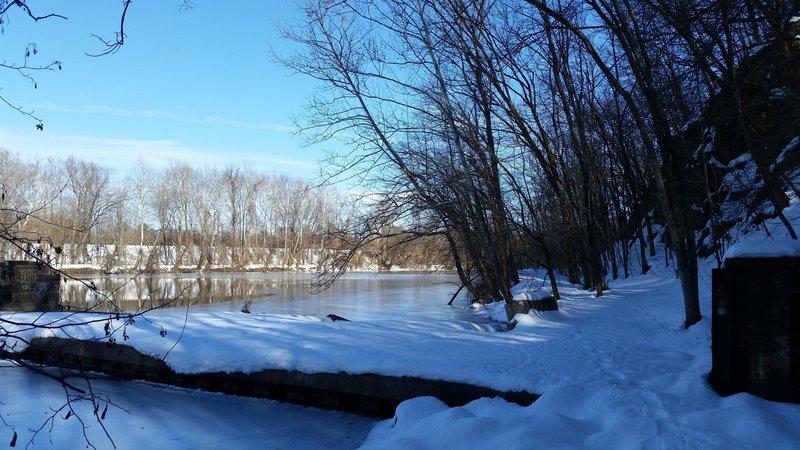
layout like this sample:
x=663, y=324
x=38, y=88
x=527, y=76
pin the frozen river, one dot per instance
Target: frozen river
x=356, y=296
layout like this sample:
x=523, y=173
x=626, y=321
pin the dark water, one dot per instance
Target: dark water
x=356, y=296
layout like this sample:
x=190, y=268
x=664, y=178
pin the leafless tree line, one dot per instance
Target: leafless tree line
x=180, y=215
x=569, y=133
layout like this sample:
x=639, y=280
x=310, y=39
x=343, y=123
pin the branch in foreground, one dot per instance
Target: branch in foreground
x=113, y=45
x=19, y=109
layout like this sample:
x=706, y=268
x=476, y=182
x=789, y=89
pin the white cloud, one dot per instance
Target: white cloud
x=178, y=117
x=121, y=154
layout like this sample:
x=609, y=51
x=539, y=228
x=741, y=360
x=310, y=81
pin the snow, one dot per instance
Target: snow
x=150, y=416
x=765, y=249
x=787, y=150
x=617, y=371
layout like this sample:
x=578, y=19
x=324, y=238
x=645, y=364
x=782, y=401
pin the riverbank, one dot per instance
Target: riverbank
x=368, y=393
x=134, y=259
x=615, y=372
x=95, y=269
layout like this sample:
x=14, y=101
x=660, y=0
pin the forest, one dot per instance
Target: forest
x=567, y=135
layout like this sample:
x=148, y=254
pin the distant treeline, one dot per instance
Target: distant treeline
x=177, y=217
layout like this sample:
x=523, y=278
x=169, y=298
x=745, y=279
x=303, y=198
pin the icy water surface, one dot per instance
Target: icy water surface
x=356, y=296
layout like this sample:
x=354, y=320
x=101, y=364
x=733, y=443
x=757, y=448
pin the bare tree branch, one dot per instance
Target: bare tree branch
x=113, y=45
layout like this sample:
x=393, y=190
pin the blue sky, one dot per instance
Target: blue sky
x=196, y=85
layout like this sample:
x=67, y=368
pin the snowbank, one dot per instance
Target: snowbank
x=765, y=249
x=615, y=372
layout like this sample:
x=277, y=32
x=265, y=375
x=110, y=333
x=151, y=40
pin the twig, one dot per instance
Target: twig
x=119, y=36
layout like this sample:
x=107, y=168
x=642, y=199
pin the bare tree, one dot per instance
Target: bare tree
x=208, y=207
x=647, y=103
x=140, y=183
x=242, y=186
x=417, y=109
x=178, y=180
x=91, y=197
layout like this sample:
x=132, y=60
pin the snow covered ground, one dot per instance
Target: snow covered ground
x=149, y=416
x=614, y=372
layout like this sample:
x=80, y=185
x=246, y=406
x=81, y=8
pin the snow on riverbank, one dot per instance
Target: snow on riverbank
x=149, y=416
x=544, y=350
x=615, y=372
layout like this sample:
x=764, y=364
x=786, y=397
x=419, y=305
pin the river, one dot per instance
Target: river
x=355, y=296
x=230, y=420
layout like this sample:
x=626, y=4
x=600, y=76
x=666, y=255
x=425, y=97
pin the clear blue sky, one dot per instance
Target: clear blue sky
x=196, y=85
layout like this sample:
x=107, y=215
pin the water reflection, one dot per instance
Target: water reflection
x=357, y=296
x=150, y=291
